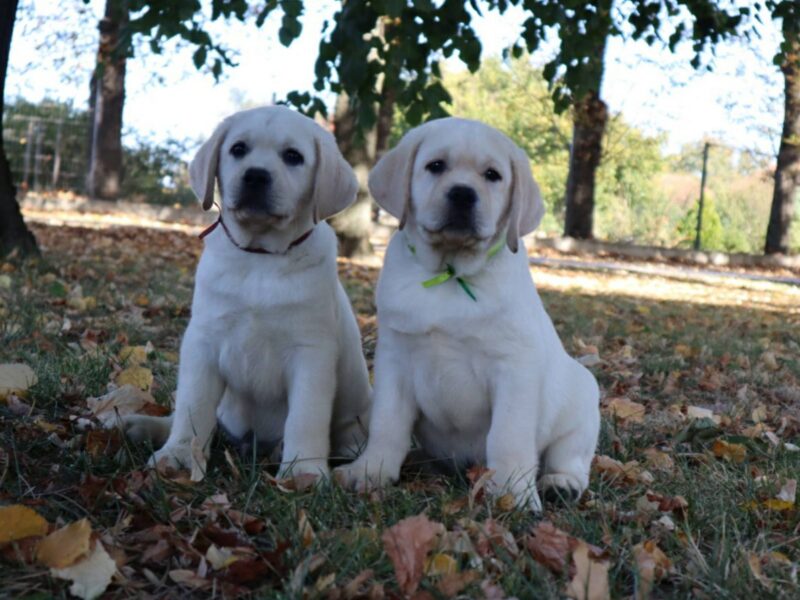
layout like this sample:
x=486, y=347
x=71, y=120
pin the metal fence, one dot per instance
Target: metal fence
x=46, y=152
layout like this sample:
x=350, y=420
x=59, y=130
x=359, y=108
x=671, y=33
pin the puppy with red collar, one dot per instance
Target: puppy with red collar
x=272, y=351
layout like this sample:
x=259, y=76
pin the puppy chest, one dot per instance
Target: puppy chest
x=452, y=386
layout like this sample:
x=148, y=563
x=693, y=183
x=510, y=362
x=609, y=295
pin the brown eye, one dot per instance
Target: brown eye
x=238, y=150
x=436, y=167
x=292, y=157
x=492, y=175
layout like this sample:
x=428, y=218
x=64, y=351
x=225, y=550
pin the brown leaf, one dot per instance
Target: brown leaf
x=736, y=453
x=18, y=522
x=651, y=565
x=65, y=546
x=407, y=544
x=626, y=410
x=590, y=581
x=124, y=400
x=550, y=546
x=452, y=584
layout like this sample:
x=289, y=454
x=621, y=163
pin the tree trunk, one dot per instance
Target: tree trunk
x=588, y=129
x=14, y=235
x=105, y=165
x=353, y=225
x=787, y=173
x=591, y=116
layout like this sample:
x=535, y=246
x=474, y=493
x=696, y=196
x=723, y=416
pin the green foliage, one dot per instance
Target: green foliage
x=156, y=173
x=513, y=97
x=398, y=44
x=712, y=236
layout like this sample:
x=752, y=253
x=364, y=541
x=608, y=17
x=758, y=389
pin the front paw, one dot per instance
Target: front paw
x=561, y=487
x=304, y=469
x=362, y=475
x=175, y=456
x=523, y=488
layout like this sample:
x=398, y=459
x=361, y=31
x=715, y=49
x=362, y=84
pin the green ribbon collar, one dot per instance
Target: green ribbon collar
x=450, y=272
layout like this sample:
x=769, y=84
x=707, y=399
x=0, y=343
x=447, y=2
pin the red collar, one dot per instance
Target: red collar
x=219, y=221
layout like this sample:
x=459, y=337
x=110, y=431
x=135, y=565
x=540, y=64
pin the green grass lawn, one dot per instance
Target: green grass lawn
x=701, y=403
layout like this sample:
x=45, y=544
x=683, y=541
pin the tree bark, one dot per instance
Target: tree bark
x=787, y=172
x=353, y=225
x=105, y=164
x=589, y=127
x=14, y=235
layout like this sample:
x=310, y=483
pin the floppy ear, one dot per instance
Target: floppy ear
x=204, y=165
x=526, y=208
x=335, y=184
x=390, y=178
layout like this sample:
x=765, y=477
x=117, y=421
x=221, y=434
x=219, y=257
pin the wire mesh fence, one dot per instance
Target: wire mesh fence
x=46, y=152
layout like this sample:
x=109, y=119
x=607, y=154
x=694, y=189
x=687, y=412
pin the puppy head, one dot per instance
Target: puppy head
x=273, y=166
x=460, y=183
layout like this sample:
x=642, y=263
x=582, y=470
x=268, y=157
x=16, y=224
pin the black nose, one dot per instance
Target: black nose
x=462, y=196
x=257, y=178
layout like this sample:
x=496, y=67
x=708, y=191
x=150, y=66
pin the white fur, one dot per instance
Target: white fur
x=272, y=346
x=484, y=381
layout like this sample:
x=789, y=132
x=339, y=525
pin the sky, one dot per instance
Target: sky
x=739, y=102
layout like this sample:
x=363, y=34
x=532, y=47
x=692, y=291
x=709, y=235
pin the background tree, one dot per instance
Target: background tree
x=13, y=233
x=107, y=101
x=787, y=172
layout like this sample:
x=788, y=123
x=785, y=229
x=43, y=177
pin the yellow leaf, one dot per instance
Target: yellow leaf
x=730, y=452
x=778, y=505
x=124, y=400
x=133, y=355
x=626, y=410
x=683, y=350
x=140, y=377
x=505, y=503
x=651, y=565
x=591, y=576
x=15, y=378
x=440, y=564
x=306, y=531
x=18, y=522
x=65, y=546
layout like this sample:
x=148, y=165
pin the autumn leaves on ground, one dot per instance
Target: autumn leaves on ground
x=693, y=491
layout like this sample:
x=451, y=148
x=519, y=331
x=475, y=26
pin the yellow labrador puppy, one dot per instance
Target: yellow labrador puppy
x=272, y=351
x=468, y=361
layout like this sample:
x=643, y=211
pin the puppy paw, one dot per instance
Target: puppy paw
x=526, y=496
x=561, y=487
x=304, y=470
x=171, y=457
x=362, y=476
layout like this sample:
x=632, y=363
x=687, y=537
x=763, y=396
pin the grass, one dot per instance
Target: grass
x=727, y=346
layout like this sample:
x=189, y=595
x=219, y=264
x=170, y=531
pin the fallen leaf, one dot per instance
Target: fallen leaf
x=304, y=527
x=133, y=355
x=407, y=544
x=728, y=451
x=188, y=578
x=651, y=565
x=788, y=492
x=659, y=460
x=626, y=410
x=590, y=581
x=90, y=577
x=440, y=564
x=220, y=558
x=18, y=522
x=140, y=377
x=697, y=412
x=451, y=585
x=15, y=378
x=65, y=546
x=124, y=400
x=754, y=562
x=550, y=546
